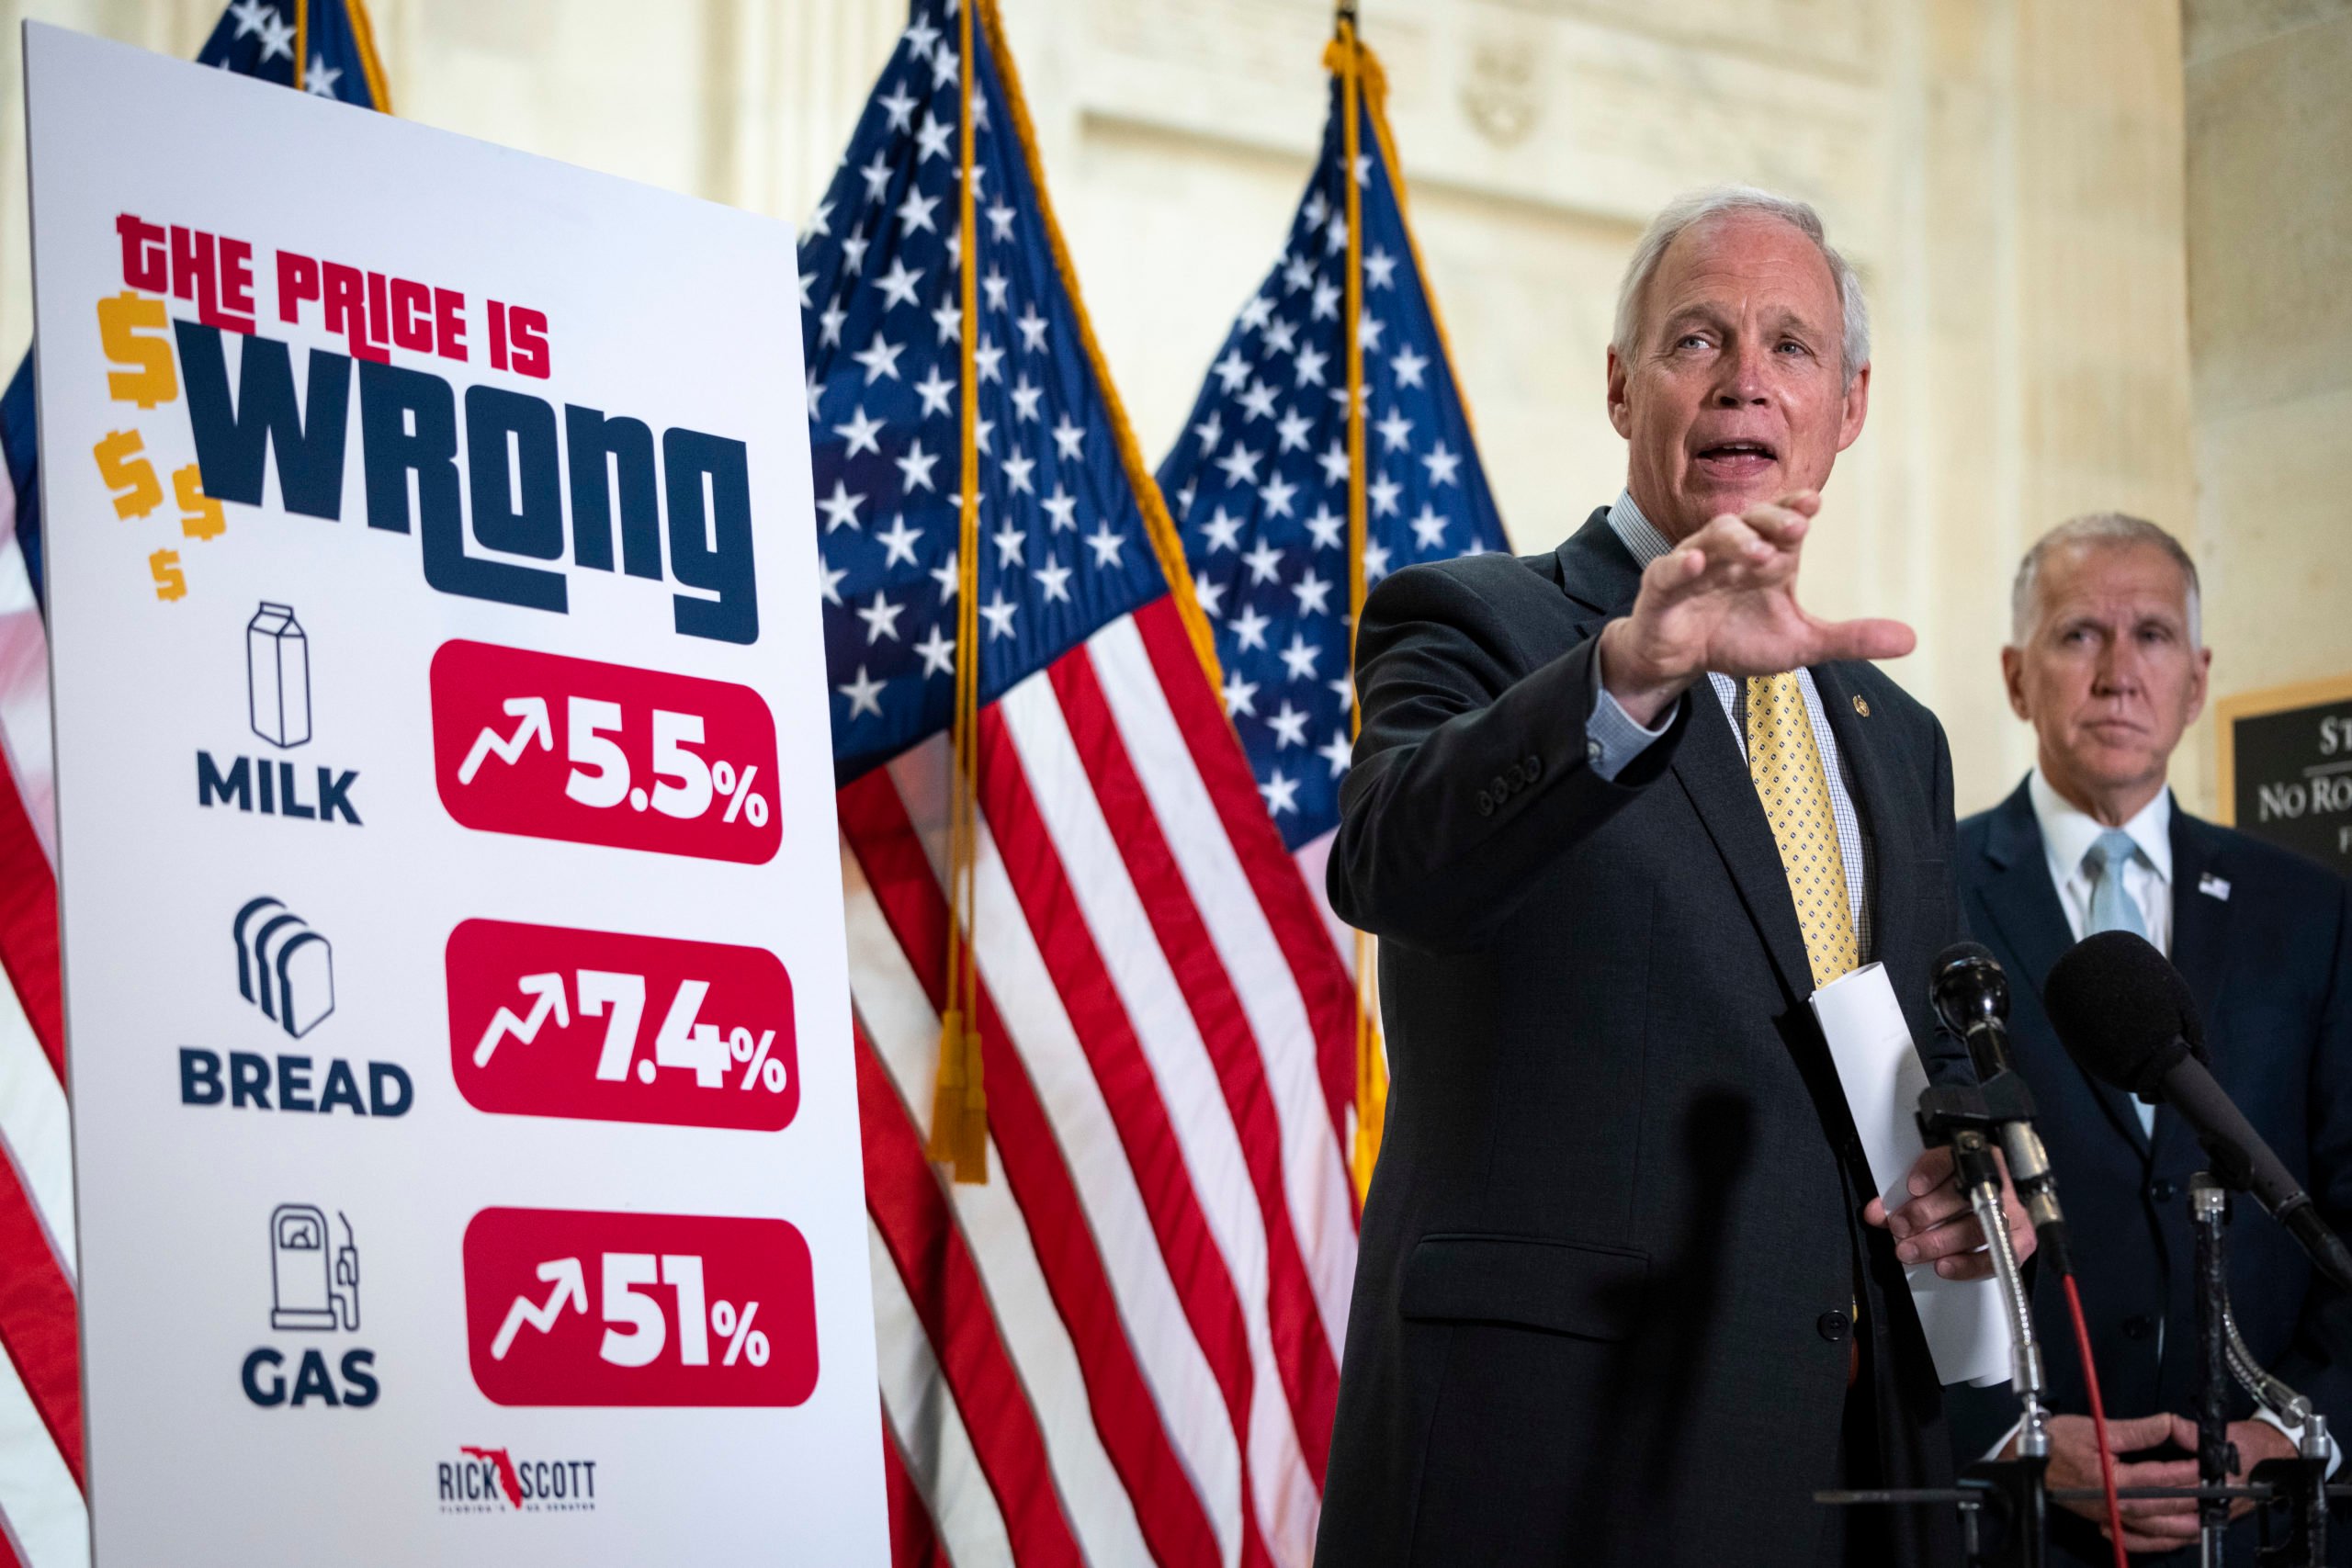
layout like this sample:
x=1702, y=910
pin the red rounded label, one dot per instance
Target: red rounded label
x=549, y=1021
x=556, y=748
x=576, y=1307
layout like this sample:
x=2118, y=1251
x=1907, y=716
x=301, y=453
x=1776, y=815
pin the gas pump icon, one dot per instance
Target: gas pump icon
x=310, y=1287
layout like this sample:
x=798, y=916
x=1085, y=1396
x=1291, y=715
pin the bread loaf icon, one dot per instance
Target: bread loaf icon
x=284, y=968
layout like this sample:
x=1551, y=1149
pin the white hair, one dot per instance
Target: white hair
x=1718, y=202
x=2097, y=528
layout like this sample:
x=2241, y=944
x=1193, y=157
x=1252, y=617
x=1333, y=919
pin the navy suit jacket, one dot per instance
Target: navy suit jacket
x=1601, y=1303
x=2264, y=939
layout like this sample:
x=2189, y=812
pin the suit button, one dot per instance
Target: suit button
x=1532, y=768
x=1500, y=787
x=1833, y=1325
x=2163, y=1190
x=1486, y=804
x=2139, y=1325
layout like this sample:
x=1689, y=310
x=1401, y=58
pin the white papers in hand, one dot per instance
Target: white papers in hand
x=1878, y=1066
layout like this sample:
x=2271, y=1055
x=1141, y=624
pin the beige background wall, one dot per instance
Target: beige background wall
x=2008, y=173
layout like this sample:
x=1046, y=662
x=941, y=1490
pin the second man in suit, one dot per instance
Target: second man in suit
x=2108, y=663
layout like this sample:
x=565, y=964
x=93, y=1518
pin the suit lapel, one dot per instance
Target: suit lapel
x=1709, y=767
x=2200, y=922
x=1880, y=795
x=2200, y=938
x=1596, y=569
x=2017, y=892
x=1894, y=857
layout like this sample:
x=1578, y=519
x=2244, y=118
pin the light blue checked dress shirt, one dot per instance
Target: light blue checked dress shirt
x=1615, y=740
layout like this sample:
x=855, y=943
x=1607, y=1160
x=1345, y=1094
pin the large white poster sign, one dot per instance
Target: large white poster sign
x=466, y=1126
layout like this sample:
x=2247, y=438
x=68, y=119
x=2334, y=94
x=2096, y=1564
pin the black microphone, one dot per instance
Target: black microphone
x=1972, y=997
x=2129, y=1018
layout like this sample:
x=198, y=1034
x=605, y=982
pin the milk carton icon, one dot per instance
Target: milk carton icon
x=278, y=675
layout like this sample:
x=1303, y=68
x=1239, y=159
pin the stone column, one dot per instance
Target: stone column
x=2269, y=225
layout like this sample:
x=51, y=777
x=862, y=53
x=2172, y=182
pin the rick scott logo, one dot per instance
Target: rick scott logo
x=495, y=1481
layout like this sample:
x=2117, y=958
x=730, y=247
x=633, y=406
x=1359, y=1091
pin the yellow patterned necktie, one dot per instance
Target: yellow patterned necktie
x=1786, y=766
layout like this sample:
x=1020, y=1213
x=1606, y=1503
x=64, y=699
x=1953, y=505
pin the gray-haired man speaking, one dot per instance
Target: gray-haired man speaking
x=1624, y=1296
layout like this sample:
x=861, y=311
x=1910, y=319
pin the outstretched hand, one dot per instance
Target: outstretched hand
x=1724, y=599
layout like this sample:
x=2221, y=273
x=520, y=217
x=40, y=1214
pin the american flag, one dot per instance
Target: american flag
x=1259, y=480
x=1123, y=1346
x=43, y=1520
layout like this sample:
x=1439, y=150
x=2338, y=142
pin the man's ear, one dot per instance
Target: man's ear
x=1858, y=404
x=1620, y=414
x=2199, y=681
x=2013, y=677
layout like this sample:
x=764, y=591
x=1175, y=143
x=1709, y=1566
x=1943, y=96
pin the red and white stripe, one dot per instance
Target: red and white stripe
x=43, y=1520
x=1124, y=1348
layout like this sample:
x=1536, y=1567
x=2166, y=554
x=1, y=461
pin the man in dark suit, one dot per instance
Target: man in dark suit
x=1616, y=812
x=2106, y=664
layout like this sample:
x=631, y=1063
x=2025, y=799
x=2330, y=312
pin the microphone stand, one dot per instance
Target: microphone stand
x=1966, y=1120
x=2223, y=1356
x=2209, y=1215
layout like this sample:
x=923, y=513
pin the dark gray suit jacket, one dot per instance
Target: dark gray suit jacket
x=1600, y=1306
x=2270, y=964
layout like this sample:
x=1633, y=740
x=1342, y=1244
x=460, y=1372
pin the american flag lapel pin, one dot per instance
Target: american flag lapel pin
x=2213, y=887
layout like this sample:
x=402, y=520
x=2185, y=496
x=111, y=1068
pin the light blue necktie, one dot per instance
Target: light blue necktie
x=2113, y=909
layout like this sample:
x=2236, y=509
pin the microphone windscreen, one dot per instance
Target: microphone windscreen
x=1967, y=988
x=1962, y=953
x=2122, y=1010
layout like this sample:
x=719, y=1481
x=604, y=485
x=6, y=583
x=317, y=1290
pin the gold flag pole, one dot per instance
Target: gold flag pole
x=1347, y=57
x=959, y=1116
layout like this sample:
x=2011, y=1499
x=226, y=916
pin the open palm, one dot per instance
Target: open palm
x=1724, y=599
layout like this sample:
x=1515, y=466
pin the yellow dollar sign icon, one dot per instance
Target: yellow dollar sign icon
x=119, y=316
x=203, y=520
x=122, y=469
x=171, y=582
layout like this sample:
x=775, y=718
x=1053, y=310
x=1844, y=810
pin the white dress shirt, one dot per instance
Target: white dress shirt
x=2067, y=835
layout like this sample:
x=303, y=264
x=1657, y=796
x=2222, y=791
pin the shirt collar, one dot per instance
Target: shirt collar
x=1635, y=532
x=2068, y=833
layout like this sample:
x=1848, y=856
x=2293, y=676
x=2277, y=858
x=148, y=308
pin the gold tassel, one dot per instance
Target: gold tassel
x=1372, y=1069
x=959, y=1108
x=971, y=1152
x=947, y=1092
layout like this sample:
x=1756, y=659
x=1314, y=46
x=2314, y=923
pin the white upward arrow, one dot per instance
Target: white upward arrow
x=548, y=989
x=533, y=712
x=570, y=1281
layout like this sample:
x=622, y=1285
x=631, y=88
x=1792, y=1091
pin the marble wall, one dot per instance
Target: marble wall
x=2269, y=230
x=2006, y=172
